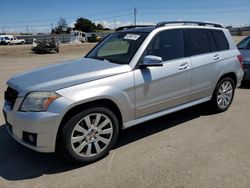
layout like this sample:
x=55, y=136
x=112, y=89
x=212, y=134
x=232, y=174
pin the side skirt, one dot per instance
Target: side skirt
x=165, y=112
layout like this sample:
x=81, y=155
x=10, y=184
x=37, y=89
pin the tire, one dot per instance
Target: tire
x=222, y=98
x=83, y=140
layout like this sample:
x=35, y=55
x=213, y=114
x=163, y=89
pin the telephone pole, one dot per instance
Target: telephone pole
x=135, y=12
x=3, y=31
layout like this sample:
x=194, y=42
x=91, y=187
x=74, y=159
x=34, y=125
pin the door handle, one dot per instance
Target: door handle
x=216, y=57
x=183, y=66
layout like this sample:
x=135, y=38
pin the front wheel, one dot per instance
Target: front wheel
x=223, y=95
x=89, y=135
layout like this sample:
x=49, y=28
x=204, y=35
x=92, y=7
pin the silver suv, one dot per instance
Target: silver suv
x=133, y=75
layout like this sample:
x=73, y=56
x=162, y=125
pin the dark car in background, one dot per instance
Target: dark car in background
x=93, y=38
x=244, y=47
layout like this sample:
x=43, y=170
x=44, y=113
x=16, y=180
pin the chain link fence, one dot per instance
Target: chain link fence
x=63, y=38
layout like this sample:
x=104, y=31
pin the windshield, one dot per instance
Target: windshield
x=245, y=44
x=118, y=47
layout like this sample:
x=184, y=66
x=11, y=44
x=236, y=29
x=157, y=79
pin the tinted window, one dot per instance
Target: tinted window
x=221, y=40
x=244, y=44
x=196, y=42
x=168, y=45
x=213, y=47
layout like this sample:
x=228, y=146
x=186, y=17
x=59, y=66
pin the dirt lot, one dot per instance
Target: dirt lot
x=191, y=148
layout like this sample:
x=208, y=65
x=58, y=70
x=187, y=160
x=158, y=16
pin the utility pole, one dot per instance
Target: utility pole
x=3, y=29
x=135, y=12
x=51, y=26
x=27, y=28
x=32, y=30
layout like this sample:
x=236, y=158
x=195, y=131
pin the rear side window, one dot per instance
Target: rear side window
x=196, y=42
x=168, y=45
x=220, y=39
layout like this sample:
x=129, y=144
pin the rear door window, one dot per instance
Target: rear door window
x=220, y=39
x=196, y=42
x=212, y=43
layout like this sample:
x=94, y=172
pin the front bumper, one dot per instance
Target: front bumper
x=246, y=73
x=42, y=125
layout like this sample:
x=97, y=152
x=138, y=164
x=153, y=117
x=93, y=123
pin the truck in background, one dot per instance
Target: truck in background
x=10, y=39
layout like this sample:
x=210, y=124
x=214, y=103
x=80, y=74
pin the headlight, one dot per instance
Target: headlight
x=38, y=101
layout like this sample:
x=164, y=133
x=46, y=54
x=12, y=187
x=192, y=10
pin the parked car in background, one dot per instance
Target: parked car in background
x=132, y=76
x=1, y=39
x=93, y=38
x=10, y=39
x=244, y=47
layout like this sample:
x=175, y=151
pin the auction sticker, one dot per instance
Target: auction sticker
x=131, y=37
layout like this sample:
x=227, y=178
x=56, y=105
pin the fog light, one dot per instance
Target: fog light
x=30, y=138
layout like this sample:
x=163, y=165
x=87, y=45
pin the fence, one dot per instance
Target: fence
x=63, y=38
x=241, y=31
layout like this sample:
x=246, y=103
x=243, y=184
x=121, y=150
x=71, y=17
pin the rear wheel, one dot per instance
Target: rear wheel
x=223, y=95
x=89, y=135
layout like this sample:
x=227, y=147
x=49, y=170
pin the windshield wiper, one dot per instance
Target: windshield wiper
x=106, y=60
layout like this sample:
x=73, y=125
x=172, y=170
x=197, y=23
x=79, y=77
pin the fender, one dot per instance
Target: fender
x=118, y=88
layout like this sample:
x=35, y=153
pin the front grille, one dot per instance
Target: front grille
x=10, y=95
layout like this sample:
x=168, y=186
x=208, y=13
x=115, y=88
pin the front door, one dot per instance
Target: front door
x=160, y=88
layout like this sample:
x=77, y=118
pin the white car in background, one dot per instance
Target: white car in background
x=10, y=39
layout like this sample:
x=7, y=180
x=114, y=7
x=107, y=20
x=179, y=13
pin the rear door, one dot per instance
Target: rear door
x=201, y=48
x=159, y=88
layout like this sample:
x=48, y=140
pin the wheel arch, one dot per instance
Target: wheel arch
x=107, y=103
x=231, y=75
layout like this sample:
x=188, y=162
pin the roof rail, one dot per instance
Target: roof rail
x=132, y=26
x=161, y=24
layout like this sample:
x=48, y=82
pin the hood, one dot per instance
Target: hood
x=55, y=77
x=246, y=55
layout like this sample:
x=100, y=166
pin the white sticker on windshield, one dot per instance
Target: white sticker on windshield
x=131, y=37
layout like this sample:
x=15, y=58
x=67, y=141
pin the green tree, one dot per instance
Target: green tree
x=84, y=25
x=99, y=27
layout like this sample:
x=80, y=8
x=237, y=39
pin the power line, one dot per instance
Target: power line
x=193, y=13
x=216, y=6
x=51, y=24
x=93, y=15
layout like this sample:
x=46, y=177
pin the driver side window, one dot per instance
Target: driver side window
x=168, y=45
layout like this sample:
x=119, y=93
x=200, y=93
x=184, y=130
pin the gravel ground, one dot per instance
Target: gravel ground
x=190, y=148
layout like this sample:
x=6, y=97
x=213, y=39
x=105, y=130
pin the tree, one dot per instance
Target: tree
x=62, y=27
x=99, y=27
x=84, y=25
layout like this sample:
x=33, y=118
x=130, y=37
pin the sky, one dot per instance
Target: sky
x=41, y=16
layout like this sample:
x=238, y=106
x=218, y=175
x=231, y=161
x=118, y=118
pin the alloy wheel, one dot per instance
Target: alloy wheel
x=92, y=134
x=225, y=95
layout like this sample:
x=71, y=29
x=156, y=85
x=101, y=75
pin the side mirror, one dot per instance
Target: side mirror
x=151, y=61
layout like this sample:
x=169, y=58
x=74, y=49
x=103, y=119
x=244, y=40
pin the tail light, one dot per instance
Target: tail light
x=240, y=58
